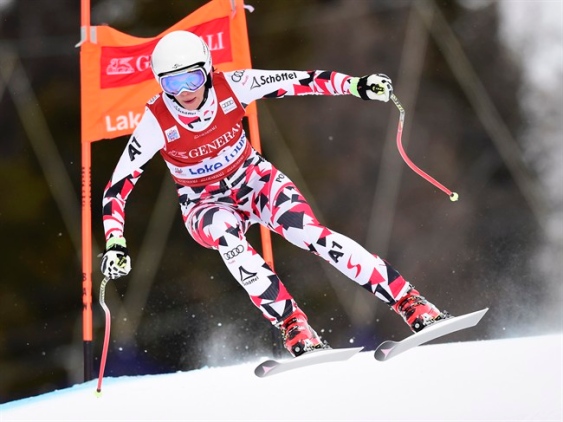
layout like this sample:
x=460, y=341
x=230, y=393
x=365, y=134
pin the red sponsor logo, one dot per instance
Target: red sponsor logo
x=124, y=66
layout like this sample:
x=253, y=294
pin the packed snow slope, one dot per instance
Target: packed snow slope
x=498, y=380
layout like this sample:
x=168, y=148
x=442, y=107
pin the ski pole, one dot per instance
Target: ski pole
x=453, y=196
x=106, y=334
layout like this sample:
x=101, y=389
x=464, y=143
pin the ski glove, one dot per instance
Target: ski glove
x=116, y=261
x=372, y=87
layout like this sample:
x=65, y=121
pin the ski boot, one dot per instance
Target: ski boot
x=417, y=312
x=298, y=336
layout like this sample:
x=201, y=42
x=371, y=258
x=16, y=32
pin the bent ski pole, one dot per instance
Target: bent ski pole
x=106, y=333
x=453, y=196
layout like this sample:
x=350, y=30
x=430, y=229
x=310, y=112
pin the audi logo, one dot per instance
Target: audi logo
x=234, y=252
x=237, y=75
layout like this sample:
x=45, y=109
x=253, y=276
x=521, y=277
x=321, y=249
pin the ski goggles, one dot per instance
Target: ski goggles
x=187, y=80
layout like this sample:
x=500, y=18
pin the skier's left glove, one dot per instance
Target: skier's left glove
x=372, y=87
x=116, y=261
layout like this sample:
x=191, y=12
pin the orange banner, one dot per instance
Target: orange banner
x=116, y=79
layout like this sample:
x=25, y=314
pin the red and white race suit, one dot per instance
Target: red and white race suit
x=224, y=186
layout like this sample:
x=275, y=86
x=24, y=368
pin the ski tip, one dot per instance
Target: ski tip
x=382, y=352
x=264, y=368
x=481, y=313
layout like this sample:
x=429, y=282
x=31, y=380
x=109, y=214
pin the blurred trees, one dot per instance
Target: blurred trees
x=463, y=256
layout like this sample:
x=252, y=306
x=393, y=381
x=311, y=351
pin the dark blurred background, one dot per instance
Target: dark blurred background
x=481, y=82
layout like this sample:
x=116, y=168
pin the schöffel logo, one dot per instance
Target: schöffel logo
x=272, y=78
x=124, y=66
x=246, y=277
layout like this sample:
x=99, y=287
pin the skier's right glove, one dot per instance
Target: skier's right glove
x=115, y=260
x=372, y=87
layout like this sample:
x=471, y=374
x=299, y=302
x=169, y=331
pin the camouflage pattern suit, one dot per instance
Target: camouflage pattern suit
x=224, y=186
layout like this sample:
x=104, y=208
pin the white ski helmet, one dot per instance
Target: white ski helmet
x=178, y=50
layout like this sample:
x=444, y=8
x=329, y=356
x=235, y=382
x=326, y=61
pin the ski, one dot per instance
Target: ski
x=314, y=357
x=389, y=349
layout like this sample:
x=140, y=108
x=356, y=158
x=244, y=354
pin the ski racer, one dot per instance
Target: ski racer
x=224, y=186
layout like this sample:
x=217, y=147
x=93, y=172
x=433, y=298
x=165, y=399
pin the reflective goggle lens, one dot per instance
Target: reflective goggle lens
x=190, y=80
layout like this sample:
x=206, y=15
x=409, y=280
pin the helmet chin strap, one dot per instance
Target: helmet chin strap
x=205, y=95
x=209, y=81
x=208, y=86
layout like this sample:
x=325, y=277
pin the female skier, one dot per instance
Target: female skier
x=224, y=185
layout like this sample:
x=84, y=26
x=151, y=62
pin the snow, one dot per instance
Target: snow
x=509, y=379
